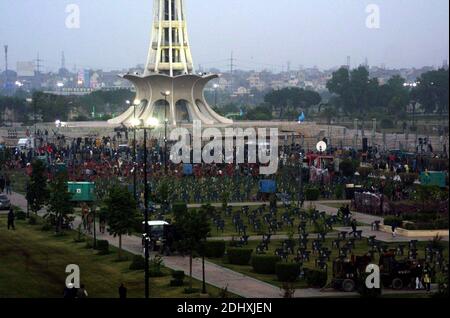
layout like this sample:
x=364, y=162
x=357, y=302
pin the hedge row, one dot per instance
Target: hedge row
x=264, y=264
x=239, y=256
x=215, y=249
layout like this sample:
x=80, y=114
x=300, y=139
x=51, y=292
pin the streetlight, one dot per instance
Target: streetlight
x=151, y=123
x=300, y=193
x=166, y=121
x=134, y=122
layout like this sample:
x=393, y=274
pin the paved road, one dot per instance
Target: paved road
x=218, y=276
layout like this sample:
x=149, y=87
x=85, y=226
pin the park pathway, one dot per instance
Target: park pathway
x=217, y=276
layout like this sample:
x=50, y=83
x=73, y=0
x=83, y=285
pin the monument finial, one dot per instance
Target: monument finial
x=169, y=51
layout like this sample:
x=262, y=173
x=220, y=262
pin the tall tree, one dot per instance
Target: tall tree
x=59, y=205
x=292, y=99
x=37, y=192
x=121, y=213
x=432, y=91
x=193, y=227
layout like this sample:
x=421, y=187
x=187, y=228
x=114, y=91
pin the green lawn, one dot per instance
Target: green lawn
x=361, y=247
x=230, y=229
x=33, y=265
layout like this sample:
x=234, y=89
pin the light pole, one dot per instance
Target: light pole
x=136, y=102
x=216, y=86
x=166, y=121
x=300, y=194
x=149, y=125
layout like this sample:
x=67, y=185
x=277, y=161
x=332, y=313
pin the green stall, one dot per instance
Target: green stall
x=82, y=191
x=432, y=178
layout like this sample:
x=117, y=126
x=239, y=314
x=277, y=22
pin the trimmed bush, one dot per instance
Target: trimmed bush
x=316, y=279
x=32, y=220
x=364, y=171
x=46, y=227
x=287, y=272
x=20, y=215
x=312, y=194
x=389, y=220
x=138, y=263
x=103, y=247
x=347, y=168
x=239, y=256
x=178, y=279
x=215, y=249
x=339, y=191
x=179, y=209
x=265, y=264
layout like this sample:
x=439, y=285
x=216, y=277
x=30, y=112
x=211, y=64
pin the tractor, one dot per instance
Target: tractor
x=398, y=274
x=347, y=272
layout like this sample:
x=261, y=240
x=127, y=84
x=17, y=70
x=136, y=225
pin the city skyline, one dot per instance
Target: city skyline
x=406, y=37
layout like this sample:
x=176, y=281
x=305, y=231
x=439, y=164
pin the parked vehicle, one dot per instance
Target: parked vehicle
x=398, y=274
x=347, y=272
x=5, y=204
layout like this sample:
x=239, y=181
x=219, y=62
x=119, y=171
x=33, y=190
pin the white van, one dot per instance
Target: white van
x=25, y=143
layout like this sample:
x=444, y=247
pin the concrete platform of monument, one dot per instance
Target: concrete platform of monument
x=311, y=132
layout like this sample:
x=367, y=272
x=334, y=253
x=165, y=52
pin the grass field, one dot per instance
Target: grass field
x=361, y=248
x=32, y=264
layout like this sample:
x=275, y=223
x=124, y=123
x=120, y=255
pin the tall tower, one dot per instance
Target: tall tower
x=169, y=89
x=169, y=51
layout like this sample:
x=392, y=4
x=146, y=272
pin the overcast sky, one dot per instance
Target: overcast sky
x=262, y=33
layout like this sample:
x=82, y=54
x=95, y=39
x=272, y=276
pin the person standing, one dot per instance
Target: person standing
x=122, y=291
x=2, y=184
x=427, y=281
x=354, y=227
x=11, y=218
x=102, y=220
x=394, y=228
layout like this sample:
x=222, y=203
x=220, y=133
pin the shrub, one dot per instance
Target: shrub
x=339, y=191
x=316, y=279
x=20, y=215
x=287, y=272
x=46, y=227
x=156, y=267
x=347, y=168
x=138, y=263
x=32, y=220
x=178, y=278
x=179, y=209
x=386, y=123
x=103, y=247
x=215, y=249
x=312, y=194
x=239, y=256
x=265, y=264
x=365, y=171
x=390, y=220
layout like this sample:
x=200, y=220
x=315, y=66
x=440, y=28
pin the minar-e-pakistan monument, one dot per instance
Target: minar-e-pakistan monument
x=169, y=89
